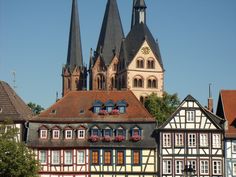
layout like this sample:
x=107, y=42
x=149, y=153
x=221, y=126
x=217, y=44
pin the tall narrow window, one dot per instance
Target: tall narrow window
x=81, y=134
x=136, y=157
x=216, y=142
x=179, y=139
x=95, y=157
x=204, y=140
x=140, y=63
x=80, y=157
x=55, y=157
x=107, y=157
x=192, y=140
x=120, y=157
x=68, y=157
x=216, y=167
x=56, y=134
x=204, y=167
x=234, y=169
x=43, y=134
x=192, y=163
x=167, y=167
x=233, y=147
x=166, y=140
x=179, y=164
x=190, y=116
x=43, y=156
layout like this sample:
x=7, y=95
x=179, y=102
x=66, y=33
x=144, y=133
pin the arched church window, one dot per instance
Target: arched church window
x=140, y=63
x=138, y=81
x=150, y=63
x=152, y=82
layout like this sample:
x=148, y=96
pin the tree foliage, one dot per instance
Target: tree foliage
x=36, y=109
x=16, y=160
x=162, y=107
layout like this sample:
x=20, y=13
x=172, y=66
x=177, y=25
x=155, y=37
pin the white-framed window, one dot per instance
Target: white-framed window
x=192, y=140
x=204, y=167
x=43, y=156
x=216, y=141
x=192, y=163
x=68, y=134
x=190, y=116
x=80, y=157
x=233, y=147
x=55, y=157
x=179, y=166
x=234, y=168
x=204, y=140
x=179, y=139
x=43, y=134
x=167, y=166
x=81, y=134
x=68, y=157
x=56, y=134
x=217, y=168
x=166, y=140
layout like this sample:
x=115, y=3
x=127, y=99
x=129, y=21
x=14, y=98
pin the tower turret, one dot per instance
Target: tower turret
x=139, y=12
x=74, y=72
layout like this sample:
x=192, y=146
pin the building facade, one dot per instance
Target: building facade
x=226, y=109
x=14, y=111
x=100, y=137
x=192, y=136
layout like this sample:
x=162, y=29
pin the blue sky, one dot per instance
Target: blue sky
x=197, y=40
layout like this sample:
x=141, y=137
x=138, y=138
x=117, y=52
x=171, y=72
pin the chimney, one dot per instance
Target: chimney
x=210, y=100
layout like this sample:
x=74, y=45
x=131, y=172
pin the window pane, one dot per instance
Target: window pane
x=166, y=166
x=107, y=157
x=68, y=157
x=120, y=157
x=95, y=156
x=136, y=157
x=81, y=157
x=43, y=156
x=55, y=157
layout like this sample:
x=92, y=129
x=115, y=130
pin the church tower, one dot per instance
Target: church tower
x=74, y=73
x=140, y=64
x=104, y=62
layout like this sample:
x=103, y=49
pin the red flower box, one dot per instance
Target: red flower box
x=103, y=112
x=135, y=138
x=107, y=138
x=115, y=112
x=94, y=138
x=119, y=138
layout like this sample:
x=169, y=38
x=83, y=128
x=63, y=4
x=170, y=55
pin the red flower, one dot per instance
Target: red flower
x=115, y=112
x=94, y=138
x=119, y=138
x=107, y=138
x=135, y=138
x=103, y=112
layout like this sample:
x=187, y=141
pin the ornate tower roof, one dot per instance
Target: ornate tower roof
x=111, y=33
x=74, y=57
x=138, y=12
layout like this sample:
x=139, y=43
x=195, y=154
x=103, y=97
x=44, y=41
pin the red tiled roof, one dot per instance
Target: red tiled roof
x=77, y=106
x=11, y=105
x=228, y=99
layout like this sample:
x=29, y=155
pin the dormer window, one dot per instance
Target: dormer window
x=43, y=132
x=55, y=134
x=136, y=134
x=109, y=106
x=121, y=106
x=107, y=131
x=81, y=132
x=120, y=134
x=68, y=133
x=97, y=106
x=94, y=134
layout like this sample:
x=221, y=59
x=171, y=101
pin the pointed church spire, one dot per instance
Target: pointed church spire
x=139, y=12
x=74, y=57
x=111, y=33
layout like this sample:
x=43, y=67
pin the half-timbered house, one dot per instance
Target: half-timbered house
x=13, y=111
x=97, y=134
x=192, y=136
x=227, y=109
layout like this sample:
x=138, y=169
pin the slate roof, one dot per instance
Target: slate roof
x=226, y=109
x=11, y=105
x=216, y=120
x=74, y=56
x=111, y=33
x=140, y=4
x=77, y=106
x=135, y=39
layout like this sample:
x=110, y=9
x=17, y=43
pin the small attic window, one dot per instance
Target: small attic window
x=97, y=106
x=109, y=106
x=81, y=111
x=54, y=111
x=122, y=106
